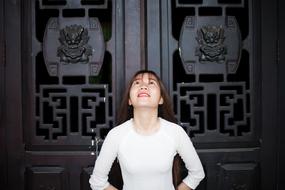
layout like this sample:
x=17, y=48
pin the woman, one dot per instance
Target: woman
x=146, y=142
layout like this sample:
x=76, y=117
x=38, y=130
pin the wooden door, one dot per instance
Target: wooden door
x=210, y=62
x=67, y=61
x=218, y=66
x=66, y=69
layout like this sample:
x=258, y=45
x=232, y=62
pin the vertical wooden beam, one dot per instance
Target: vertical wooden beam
x=13, y=94
x=3, y=150
x=269, y=94
x=143, y=33
x=281, y=95
x=117, y=44
x=166, y=54
x=153, y=36
x=134, y=37
x=2, y=62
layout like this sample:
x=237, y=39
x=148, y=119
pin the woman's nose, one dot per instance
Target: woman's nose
x=143, y=86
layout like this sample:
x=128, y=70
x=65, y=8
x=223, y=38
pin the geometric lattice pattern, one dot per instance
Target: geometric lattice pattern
x=212, y=69
x=72, y=102
x=208, y=108
x=72, y=111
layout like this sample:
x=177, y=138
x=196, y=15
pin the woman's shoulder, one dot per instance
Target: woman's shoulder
x=174, y=131
x=170, y=127
x=120, y=129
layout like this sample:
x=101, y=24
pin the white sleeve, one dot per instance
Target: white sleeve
x=99, y=178
x=191, y=159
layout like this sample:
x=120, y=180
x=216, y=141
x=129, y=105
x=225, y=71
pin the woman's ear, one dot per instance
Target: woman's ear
x=130, y=102
x=160, y=101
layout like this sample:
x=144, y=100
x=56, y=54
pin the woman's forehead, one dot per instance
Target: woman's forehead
x=147, y=75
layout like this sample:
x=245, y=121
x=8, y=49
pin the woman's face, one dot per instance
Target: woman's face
x=145, y=91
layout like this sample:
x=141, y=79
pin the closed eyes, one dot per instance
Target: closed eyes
x=150, y=82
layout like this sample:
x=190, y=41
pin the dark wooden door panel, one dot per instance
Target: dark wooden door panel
x=58, y=170
x=71, y=60
x=210, y=63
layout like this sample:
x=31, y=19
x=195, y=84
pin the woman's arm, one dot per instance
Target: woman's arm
x=183, y=186
x=99, y=178
x=191, y=159
x=111, y=187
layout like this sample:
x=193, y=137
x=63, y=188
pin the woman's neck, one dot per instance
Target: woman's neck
x=146, y=121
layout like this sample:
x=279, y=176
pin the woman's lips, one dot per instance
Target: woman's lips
x=143, y=94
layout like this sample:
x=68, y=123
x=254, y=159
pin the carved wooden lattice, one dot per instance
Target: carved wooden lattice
x=212, y=69
x=72, y=72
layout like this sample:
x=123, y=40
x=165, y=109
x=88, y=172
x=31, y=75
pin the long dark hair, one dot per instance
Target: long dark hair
x=165, y=111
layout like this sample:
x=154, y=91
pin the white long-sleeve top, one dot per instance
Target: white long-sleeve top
x=146, y=160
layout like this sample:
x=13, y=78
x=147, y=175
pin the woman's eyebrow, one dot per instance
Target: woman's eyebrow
x=138, y=78
x=153, y=78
